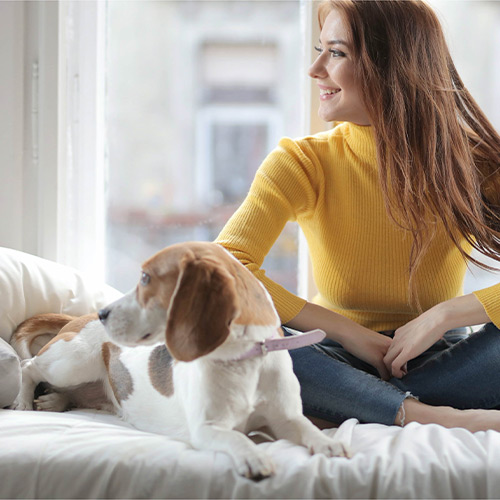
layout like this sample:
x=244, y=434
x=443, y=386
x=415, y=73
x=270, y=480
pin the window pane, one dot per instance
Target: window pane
x=236, y=149
x=198, y=93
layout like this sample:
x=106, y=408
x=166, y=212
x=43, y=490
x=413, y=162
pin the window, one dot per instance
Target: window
x=198, y=93
x=244, y=72
x=188, y=85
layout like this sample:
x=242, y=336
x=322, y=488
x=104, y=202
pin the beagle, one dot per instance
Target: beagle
x=178, y=356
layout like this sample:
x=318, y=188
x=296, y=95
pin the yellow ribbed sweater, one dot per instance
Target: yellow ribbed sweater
x=329, y=184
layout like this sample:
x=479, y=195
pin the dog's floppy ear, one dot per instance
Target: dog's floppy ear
x=202, y=308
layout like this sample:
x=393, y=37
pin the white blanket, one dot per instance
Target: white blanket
x=86, y=454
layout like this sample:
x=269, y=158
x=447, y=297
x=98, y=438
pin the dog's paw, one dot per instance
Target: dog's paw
x=53, y=401
x=256, y=465
x=21, y=404
x=329, y=447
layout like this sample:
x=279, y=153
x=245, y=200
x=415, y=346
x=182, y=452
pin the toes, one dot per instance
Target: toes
x=51, y=402
x=342, y=450
x=21, y=405
x=256, y=466
x=329, y=448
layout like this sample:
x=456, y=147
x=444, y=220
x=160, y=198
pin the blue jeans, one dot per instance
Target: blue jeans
x=461, y=370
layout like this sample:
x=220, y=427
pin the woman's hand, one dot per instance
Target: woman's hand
x=389, y=356
x=371, y=347
x=365, y=344
x=418, y=335
x=413, y=339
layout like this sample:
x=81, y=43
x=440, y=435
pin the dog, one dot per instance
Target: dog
x=183, y=354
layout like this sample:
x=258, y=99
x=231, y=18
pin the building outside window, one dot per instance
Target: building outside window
x=198, y=93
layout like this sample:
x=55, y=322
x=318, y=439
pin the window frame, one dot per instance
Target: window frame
x=63, y=131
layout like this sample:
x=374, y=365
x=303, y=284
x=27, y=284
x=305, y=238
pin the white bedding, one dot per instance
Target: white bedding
x=86, y=454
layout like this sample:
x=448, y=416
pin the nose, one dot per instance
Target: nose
x=103, y=314
x=317, y=68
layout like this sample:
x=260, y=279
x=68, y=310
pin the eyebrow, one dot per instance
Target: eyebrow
x=337, y=42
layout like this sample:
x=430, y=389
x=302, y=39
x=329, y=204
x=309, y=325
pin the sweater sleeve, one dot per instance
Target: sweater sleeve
x=283, y=190
x=490, y=299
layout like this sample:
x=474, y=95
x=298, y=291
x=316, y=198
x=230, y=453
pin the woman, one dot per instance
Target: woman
x=391, y=201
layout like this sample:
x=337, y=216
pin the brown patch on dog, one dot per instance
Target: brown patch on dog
x=70, y=330
x=79, y=323
x=256, y=307
x=202, y=308
x=49, y=323
x=66, y=336
x=39, y=333
x=119, y=377
x=160, y=370
x=164, y=268
x=198, y=280
x=32, y=334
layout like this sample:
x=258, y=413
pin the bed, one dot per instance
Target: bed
x=91, y=454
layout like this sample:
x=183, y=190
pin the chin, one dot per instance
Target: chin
x=329, y=115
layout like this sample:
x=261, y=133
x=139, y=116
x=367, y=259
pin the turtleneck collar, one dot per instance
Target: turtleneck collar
x=361, y=141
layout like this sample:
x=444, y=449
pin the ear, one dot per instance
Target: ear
x=202, y=308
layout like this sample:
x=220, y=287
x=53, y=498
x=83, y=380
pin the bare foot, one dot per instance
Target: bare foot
x=477, y=420
x=472, y=420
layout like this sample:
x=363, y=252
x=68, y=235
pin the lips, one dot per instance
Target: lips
x=327, y=92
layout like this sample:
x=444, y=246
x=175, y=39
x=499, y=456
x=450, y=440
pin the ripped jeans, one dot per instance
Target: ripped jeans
x=461, y=370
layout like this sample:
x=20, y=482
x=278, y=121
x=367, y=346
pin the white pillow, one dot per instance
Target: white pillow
x=10, y=374
x=31, y=285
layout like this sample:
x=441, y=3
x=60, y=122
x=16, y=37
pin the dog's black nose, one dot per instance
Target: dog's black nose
x=103, y=314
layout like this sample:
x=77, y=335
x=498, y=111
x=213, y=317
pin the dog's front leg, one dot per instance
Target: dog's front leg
x=284, y=413
x=249, y=460
x=302, y=431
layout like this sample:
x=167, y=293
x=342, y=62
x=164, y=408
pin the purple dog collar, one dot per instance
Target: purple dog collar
x=283, y=343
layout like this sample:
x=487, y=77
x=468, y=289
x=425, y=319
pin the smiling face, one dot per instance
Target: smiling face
x=334, y=72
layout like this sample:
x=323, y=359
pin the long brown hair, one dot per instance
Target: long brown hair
x=438, y=154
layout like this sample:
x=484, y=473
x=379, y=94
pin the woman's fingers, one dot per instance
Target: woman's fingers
x=383, y=371
x=396, y=359
x=398, y=366
x=392, y=354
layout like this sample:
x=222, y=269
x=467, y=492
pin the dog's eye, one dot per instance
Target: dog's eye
x=145, y=279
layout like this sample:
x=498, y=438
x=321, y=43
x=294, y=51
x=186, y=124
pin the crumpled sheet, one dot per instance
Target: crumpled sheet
x=87, y=454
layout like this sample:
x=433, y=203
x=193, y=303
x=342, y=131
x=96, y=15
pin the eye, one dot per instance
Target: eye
x=333, y=52
x=145, y=279
x=336, y=53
